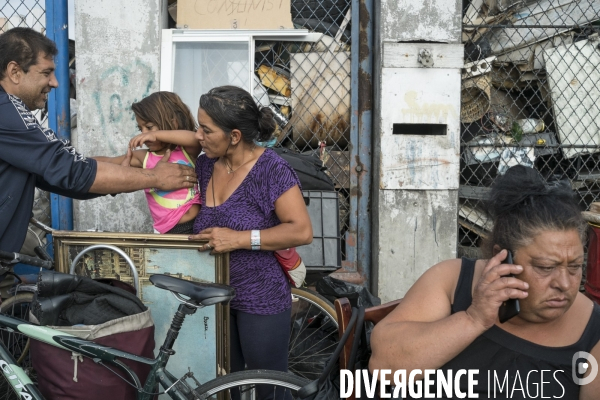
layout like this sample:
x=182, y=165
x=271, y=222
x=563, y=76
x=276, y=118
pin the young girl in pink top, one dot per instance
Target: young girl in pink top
x=167, y=127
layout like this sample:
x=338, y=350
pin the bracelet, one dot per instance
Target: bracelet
x=255, y=239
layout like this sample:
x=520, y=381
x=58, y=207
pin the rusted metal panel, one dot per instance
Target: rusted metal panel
x=357, y=266
x=420, y=161
x=323, y=115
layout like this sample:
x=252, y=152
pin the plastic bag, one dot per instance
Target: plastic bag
x=358, y=295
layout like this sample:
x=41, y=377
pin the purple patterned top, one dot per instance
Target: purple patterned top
x=261, y=286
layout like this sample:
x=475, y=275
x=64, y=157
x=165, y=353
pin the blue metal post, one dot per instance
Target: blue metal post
x=358, y=242
x=59, y=115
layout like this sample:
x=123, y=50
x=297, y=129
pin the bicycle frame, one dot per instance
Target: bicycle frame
x=16, y=377
x=21, y=383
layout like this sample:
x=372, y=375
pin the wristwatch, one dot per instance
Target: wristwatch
x=255, y=239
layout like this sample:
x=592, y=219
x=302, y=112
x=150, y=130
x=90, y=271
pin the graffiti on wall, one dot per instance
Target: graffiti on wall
x=116, y=89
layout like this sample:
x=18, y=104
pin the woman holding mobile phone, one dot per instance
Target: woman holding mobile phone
x=449, y=319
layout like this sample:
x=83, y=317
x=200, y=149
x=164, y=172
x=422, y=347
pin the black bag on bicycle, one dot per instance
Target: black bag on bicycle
x=91, y=310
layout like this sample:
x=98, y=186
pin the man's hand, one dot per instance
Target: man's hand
x=139, y=140
x=127, y=160
x=172, y=176
x=495, y=287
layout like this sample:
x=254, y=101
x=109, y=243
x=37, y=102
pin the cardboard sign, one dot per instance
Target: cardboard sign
x=234, y=14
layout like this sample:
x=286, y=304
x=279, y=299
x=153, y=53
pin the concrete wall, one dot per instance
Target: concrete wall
x=421, y=20
x=417, y=230
x=118, y=59
x=415, y=175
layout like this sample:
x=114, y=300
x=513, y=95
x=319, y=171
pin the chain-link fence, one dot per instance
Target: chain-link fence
x=30, y=13
x=308, y=84
x=530, y=96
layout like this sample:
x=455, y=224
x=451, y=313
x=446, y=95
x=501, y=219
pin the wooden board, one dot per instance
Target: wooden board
x=476, y=217
x=406, y=55
x=595, y=208
x=591, y=217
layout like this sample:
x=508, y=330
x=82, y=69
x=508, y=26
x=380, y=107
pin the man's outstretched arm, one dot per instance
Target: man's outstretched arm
x=112, y=178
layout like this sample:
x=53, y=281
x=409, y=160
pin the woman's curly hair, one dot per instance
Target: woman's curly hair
x=522, y=205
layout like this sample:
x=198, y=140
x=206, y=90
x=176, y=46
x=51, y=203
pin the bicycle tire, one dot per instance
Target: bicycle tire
x=313, y=333
x=318, y=300
x=16, y=343
x=284, y=384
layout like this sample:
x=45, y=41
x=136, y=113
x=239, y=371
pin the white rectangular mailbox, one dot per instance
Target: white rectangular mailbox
x=420, y=112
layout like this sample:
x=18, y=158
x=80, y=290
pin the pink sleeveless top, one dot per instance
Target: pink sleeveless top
x=167, y=208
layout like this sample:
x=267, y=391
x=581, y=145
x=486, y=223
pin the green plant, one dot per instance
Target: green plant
x=516, y=131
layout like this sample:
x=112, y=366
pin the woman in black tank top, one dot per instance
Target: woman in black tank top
x=448, y=321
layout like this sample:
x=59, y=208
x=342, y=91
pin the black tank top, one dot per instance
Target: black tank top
x=516, y=364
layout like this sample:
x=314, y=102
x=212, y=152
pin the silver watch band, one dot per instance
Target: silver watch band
x=255, y=239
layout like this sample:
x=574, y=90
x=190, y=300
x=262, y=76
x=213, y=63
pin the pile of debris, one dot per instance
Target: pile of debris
x=530, y=96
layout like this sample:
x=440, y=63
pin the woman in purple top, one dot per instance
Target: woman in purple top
x=252, y=205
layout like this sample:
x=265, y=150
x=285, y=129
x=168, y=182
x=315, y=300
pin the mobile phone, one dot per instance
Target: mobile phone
x=511, y=307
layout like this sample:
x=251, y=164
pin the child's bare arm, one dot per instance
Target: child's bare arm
x=185, y=139
x=131, y=159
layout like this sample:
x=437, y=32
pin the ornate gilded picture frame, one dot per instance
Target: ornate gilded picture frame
x=203, y=343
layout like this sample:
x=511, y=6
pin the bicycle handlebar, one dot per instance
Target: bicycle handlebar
x=13, y=258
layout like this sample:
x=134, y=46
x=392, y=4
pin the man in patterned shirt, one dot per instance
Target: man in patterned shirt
x=32, y=156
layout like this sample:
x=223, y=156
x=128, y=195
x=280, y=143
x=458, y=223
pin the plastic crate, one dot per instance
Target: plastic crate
x=325, y=250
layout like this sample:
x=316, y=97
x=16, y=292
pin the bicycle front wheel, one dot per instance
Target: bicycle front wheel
x=253, y=385
x=313, y=333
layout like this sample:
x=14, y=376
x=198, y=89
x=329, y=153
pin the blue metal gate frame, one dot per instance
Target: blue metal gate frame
x=59, y=115
x=357, y=266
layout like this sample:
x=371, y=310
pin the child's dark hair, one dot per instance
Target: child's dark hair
x=522, y=205
x=166, y=110
x=231, y=107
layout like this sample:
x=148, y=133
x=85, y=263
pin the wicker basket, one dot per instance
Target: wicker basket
x=475, y=98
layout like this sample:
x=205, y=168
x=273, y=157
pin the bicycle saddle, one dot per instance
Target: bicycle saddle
x=205, y=294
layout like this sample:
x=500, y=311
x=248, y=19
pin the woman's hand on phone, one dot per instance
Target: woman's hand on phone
x=494, y=287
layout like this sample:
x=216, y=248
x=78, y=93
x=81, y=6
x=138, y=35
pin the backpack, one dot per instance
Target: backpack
x=309, y=168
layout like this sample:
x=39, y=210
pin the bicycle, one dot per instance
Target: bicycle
x=313, y=324
x=18, y=304
x=192, y=296
x=313, y=333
